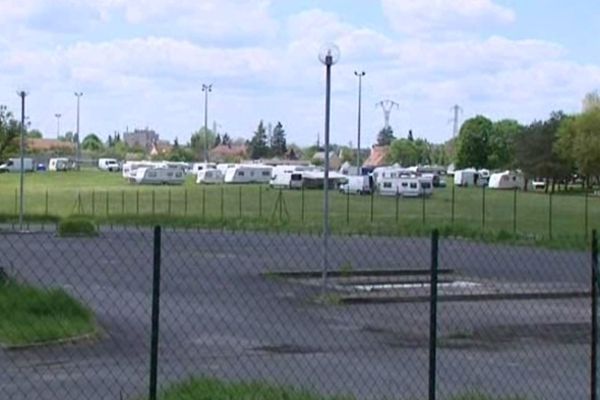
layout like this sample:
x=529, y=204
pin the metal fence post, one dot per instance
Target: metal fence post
x=137, y=202
x=452, y=208
x=550, y=215
x=586, y=215
x=185, y=202
x=169, y=203
x=397, y=204
x=515, y=211
x=222, y=202
x=16, y=202
x=372, y=200
x=594, y=330
x=433, y=298
x=260, y=202
x=155, y=315
x=423, y=208
x=240, y=202
x=347, y=206
x=302, y=206
x=483, y=208
x=203, y=203
x=107, y=200
x=46, y=206
x=153, y=201
x=93, y=201
x=280, y=200
x=122, y=202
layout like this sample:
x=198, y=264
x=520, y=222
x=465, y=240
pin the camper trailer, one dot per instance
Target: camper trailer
x=466, y=177
x=406, y=186
x=315, y=179
x=248, y=173
x=109, y=164
x=209, y=176
x=197, y=167
x=357, y=185
x=507, y=180
x=59, y=164
x=158, y=176
x=288, y=176
x=130, y=168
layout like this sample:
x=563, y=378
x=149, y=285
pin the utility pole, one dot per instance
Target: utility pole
x=456, y=109
x=22, y=94
x=360, y=76
x=58, y=115
x=206, y=89
x=387, y=106
x=78, y=143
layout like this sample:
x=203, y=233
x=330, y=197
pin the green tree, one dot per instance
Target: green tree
x=578, y=142
x=226, y=140
x=9, y=132
x=410, y=135
x=34, y=134
x=278, y=143
x=404, y=152
x=385, y=136
x=258, y=144
x=197, y=141
x=92, y=143
x=591, y=101
x=473, y=140
x=218, y=140
x=501, y=144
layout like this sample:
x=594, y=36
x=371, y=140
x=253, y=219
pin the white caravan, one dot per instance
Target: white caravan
x=130, y=168
x=406, y=186
x=59, y=164
x=197, y=167
x=288, y=176
x=158, y=176
x=209, y=176
x=315, y=179
x=109, y=164
x=507, y=180
x=357, y=185
x=14, y=165
x=466, y=177
x=248, y=173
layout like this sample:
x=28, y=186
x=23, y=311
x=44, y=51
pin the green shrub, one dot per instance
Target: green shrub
x=77, y=226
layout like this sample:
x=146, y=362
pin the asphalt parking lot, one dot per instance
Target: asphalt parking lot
x=224, y=314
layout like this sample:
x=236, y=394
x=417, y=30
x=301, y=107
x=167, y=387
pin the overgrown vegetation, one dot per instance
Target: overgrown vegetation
x=31, y=315
x=77, y=226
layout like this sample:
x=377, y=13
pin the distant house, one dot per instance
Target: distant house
x=224, y=152
x=377, y=157
x=50, y=146
x=144, y=138
x=160, y=147
x=334, y=160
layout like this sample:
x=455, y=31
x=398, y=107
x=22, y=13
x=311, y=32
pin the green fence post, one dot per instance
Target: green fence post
x=550, y=215
x=280, y=204
x=483, y=208
x=122, y=202
x=586, y=213
x=203, y=203
x=153, y=201
x=240, y=201
x=169, y=202
x=347, y=206
x=107, y=200
x=153, y=381
x=372, y=200
x=16, y=201
x=515, y=211
x=397, y=204
x=46, y=206
x=452, y=207
x=594, y=321
x=302, y=204
x=423, y=208
x=222, y=202
x=260, y=202
x=433, y=300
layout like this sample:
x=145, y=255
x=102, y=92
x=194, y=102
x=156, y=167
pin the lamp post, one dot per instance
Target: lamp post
x=328, y=55
x=22, y=94
x=360, y=75
x=78, y=148
x=58, y=115
x=206, y=89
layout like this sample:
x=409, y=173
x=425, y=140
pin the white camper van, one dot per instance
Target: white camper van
x=359, y=184
x=158, y=176
x=59, y=164
x=109, y=164
x=248, y=173
x=209, y=176
x=14, y=165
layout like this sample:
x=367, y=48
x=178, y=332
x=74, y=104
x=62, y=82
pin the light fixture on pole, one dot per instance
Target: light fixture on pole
x=58, y=115
x=77, y=143
x=360, y=75
x=328, y=55
x=22, y=94
x=206, y=89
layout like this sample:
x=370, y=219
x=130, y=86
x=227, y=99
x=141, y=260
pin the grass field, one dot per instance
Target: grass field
x=31, y=315
x=109, y=198
x=204, y=388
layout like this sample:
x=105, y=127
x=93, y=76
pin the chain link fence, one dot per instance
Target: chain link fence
x=168, y=307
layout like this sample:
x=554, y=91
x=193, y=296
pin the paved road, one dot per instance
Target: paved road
x=220, y=316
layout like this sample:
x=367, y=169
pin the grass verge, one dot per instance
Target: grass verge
x=213, y=389
x=32, y=316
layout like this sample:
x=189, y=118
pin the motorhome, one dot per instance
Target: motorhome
x=209, y=176
x=158, y=176
x=248, y=173
x=507, y=180
x=59, y=164
x=14, y=165
x=109, y=164
x=357, y=185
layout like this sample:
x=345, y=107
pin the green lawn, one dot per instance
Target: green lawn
x=206, y=388
x=30, y=315
x=107, y=197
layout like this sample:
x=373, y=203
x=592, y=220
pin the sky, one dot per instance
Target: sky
x=142, y=63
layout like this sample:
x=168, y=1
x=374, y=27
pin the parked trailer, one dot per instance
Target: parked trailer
x=209, y=176
x=14, y=165
x=158, y=176
x=197, y=167
x=288, y=176
x=406, y=186
x=247, y=173
x=507, y=180
x=59, y=164
x=130, y=168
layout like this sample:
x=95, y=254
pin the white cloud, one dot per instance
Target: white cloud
x=427, y=16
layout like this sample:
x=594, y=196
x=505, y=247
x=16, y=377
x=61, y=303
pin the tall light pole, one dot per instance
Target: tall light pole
x=58, y=115
x=206, y=89
x=328, y=55
x=22, y=94
x=78, y=148
x=360, y=75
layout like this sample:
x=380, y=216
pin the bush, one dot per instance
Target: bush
x=77, y=226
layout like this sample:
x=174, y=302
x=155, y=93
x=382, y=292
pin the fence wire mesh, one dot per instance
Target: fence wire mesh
x=255, y=307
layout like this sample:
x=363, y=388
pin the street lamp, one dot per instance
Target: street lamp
x=78, y=156
x=206, y=89
x=360, y=75
x=58, y=115
x=22, y=94
x=328, y=55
